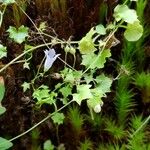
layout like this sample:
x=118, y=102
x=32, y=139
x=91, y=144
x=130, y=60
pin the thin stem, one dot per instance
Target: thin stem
x=65, y=58
x=74, y=61
x=57, y=134
x=91, y=112
x=109, y=37
x=36, y=125
x=67, y=64
x=125, y=2
x=21, y=55
x=40, y=32
x=36, y=76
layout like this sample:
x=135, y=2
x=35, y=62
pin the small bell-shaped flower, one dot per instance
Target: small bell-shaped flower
x=50, y=58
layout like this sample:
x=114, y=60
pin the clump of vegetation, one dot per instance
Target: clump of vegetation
x=61, y=72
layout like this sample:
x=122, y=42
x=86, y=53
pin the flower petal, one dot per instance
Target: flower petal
x=50, y=53
x=50, y=58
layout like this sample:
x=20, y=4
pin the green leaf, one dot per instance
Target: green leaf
x=102, y=58
x=134, y=31
x=3, y=51
x=48, y=145
x=88, y=78
x=2, y=88
x=92, y=102
x=66, y=91
x=123, y=12
x=96, y=61
x=70, y=76
x=96, y=101
x=103, y=83
x=86, y=44
x=103, y=86
x=83, y=92
x=101, y=29
x=2, y=109
x=26, y=65
x=18, y=35
x=43, y=95
x=6, y=2
x=88, y=60
x=25, y=86
x=5, y=144
x=58, y=118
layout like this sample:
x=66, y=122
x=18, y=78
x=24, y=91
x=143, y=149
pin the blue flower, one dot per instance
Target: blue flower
x=50, y=58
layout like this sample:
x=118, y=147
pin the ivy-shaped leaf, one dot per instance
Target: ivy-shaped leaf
x=88, y=77
x=70, y=76
x=48, y=145
x=134, y=31
x=83, y=92
x=66, y=91
x=5, y=144
x=100, y=29
x=43, y=95
x=26, y=65
x=3, y=51
x=96, y=61
x=103, y=86
x=58, y=118
x=103, y=83
x=18, y=35
x=87, y=60
x=102, y=58
x=86, y=44
x=123, y=12
x=25, y=86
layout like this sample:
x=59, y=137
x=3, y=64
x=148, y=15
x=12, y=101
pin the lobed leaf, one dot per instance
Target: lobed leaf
x=86, y=44
x=101, y=29
x=58, y=118
x=123, y=12
x=83, y=92
x=3, y=51
x=95, y=61
x=134, y=31
x=18, y=35
x=48, y=145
